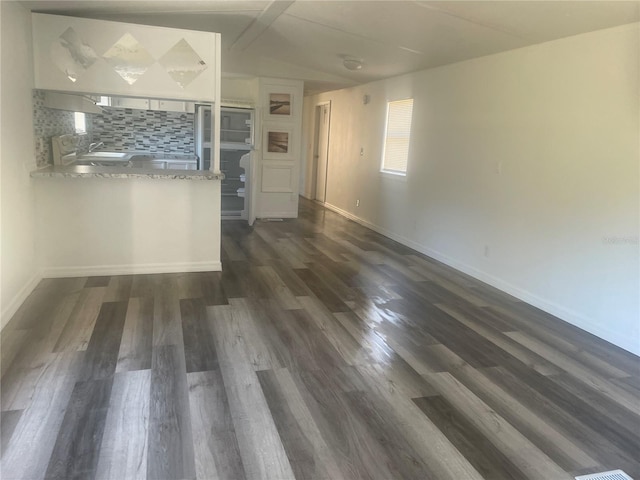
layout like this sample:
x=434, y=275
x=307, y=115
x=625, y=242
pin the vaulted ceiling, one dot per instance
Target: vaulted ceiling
x=308, y=39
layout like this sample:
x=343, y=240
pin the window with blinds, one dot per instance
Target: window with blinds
x=80, y=122
x=397, y=136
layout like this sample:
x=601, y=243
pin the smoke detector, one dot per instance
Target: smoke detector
x=351, y=63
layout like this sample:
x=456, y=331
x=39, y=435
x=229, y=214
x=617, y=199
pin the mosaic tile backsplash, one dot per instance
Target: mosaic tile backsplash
x=144, y=130
x=119, y=129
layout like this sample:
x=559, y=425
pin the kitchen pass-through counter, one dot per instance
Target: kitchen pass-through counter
x=96, y=220
x=68, y=163
x=89, y=171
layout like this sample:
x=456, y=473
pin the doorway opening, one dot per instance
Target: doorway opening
x=321, y=151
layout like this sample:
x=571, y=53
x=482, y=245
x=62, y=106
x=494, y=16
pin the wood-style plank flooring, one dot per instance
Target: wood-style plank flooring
x=321, y=351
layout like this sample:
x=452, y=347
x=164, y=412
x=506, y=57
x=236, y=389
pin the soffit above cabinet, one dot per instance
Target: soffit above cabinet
x=114, y=58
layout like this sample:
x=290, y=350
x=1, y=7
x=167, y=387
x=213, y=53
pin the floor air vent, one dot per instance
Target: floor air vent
x=612, y=475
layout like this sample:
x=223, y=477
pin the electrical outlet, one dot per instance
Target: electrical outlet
x=486, y=251
x=362, y=151
x=357, y=203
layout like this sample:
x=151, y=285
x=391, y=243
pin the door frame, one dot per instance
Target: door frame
x=315, y=149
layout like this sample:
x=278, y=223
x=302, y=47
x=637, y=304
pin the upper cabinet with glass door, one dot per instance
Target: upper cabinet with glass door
x=121, y=59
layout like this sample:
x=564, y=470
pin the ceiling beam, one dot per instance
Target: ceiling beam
x=260, y=24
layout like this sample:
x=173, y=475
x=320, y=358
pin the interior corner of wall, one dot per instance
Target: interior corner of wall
x=12, y=306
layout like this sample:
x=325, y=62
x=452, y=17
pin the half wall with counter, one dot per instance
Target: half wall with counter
x=101, y=220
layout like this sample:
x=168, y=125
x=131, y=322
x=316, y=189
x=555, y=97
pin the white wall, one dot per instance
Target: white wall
x=532, y=153
x=121, y=226
x=19, y=269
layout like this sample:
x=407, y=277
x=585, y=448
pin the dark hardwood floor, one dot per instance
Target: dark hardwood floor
x=321, y=351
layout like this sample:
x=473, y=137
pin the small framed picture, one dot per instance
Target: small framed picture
x=280, y=104
x=278, y=142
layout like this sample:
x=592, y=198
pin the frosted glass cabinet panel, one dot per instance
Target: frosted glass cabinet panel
x=113, y=58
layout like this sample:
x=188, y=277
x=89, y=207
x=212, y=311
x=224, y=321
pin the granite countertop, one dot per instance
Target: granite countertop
x=85, y=171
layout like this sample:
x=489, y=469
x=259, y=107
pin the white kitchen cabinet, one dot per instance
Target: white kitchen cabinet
x=125, y=102
x=114, y=58
x=137, y=103
x=172, y=106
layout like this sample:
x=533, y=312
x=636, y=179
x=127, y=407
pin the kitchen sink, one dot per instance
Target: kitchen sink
x=141, y=157
x=102, y=163
x=138, y=160
x=103, y=159
x=122, y=156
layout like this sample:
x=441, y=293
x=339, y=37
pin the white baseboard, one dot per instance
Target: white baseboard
x=563, y=313
x=264, y=216
x=97, y=270
x=10, y=310
x=361, y=221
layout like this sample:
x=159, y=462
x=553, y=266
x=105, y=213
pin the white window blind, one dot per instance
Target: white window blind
x=397, y=137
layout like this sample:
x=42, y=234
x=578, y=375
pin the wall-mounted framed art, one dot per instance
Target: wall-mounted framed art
x=278, y=142
x=280, y=103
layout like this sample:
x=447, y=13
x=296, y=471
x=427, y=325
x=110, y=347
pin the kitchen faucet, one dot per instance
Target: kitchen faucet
x=93, y=146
